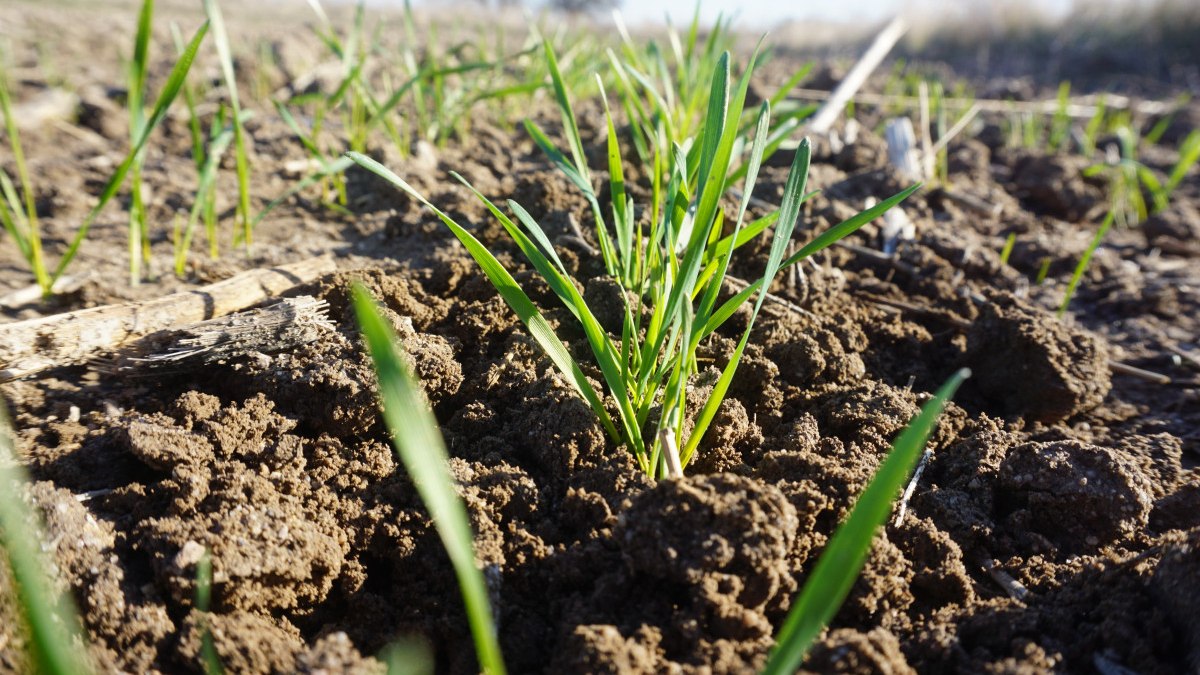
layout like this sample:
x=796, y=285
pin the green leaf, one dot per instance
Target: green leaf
x=1084, y=261
x=207, y=179
x=603, y=349
x=138, y=65
x=849, y=226
x=756, y=155
x=333, y=168
x=175, y=81
x=50, y=616
x=843, y=558
x=423, y=453
x=241, y=163
x=789, y=212
x=516, y=298
x=1189, y=153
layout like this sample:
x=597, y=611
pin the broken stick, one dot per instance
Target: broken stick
x=29, y=347
x=823, y=121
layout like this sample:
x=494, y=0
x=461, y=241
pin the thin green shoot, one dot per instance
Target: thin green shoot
x=139, y=230
x=205, y=194
x=1091, y=130
x=847, y=551
x=203, y=599
x=1060, y=123
x=1189, y=153
x=242, y=163
x=1129, y=179
x=1009, y=243
x=50, y=617
x=175, y=81
x=1084, y=261
x=333, y=169
x=423, y=452
x=19, y=213
x=1043, y=271
x=189, y=98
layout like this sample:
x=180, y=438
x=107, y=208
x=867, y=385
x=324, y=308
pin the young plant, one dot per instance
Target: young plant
x=423, y=453
x=175, y=82
x=1009, y=243
x=208, y=649
x=204, y=204
x=18, y=213
x=242, y=164
x=206, y=165
x=448, y=80
x=1129, y=179
x=1091, y=130
x=1060, y=124
x=139, y=230
x=50, y=618
x=846, y=553
x=1083, y=263
x=673, y=268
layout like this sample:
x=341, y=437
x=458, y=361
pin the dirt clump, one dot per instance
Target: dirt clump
x=1032, y=365
x=1078, y=496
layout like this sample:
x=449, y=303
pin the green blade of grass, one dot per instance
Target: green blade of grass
x=327, y=169
x=207, y=179
x=138, y=66
x=508, y=288
x=175, y=81
x=1189, y=154
x=225, y=56
x=189, y=99
x=1084, y=261
x=29, y=240
x=603, y=349
x=570, y=127
x=307, y=141
x=789, y=212
x=208, y=649
x=538, y=234
x=849, y=226
x=847, y=551
x=622, y=218
x=14, y=220
x=423, y=453
x=749, y=232
x=756, y=154
x=822, y=241
x=716, y=148
x=51, y=618
x=1009, y=243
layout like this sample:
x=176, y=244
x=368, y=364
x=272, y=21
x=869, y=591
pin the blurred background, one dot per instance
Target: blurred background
x=1129, y=46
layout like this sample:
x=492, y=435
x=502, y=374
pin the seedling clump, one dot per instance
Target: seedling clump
x=673, y=267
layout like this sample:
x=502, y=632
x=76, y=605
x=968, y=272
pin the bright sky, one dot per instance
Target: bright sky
x=767, y=13
x=756, y=13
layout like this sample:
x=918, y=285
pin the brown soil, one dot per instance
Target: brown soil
x=1079, y=484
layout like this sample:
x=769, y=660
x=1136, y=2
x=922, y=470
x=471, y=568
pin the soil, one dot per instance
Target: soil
x=1056, y=526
